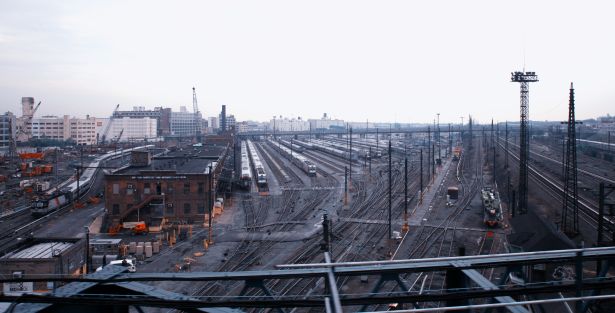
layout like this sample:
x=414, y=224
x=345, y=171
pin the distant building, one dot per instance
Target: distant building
x=183, y=123
x=242, y=127
x=23, y=126
x=325, y=123
x=230, y=122
x=160, y=114
x=7, y=129
x=81, y=130
x=213, y=124
x=131, y=129
x=285, y=124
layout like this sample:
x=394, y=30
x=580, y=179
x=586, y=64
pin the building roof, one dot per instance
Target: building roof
x=192, y=160
x=533, y=232
x=42, y=250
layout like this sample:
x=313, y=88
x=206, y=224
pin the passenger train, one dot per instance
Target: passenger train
x=257, y=166
x=246, y=175
x=295, y=147
x=300, y=161
x=71, y=190
x=492, y=211
x=319, y=146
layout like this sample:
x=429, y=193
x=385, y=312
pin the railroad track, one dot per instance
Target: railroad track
x=589, y=213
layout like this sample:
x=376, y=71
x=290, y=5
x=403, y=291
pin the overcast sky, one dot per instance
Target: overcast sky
x=399, y=61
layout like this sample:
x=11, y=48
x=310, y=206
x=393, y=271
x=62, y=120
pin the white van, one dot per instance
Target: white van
x=130, y=263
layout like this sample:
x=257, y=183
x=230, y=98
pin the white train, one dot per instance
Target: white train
x=329, y=149
x=295, y=147
x=361, y=152
x=257, y=166
x=300, y=161
x=246, y=176
x=362, y=145
x=67, y=191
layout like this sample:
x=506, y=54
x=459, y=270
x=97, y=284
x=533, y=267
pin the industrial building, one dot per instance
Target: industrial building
x=7, y=129
x=184, y=123
x=81, y=130
x=289, y=124
x=325, y=123
x=173, y=185
x=160, y=114
x=42, y=256
x=126, y=129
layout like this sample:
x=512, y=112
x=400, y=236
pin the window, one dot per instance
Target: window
x=201, y=188
x=201, y=208
x=146, y=188
x=170, y=210
x=116, y=209
x=187, y=208
x=129, y=189
x=186, y=188
x=116, y=189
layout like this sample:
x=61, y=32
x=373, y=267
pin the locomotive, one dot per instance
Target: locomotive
x=492, y=210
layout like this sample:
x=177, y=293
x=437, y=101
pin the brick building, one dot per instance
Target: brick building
x=173, y=185
x=42, y=256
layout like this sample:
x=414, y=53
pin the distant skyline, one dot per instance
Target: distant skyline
x=386, y=61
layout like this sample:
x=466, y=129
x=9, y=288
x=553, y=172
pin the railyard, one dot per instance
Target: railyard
x=401, y=196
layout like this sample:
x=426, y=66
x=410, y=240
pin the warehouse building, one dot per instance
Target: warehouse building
x=42, y=256
x=171, y=186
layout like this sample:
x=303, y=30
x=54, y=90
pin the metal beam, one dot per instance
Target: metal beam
x=486, y=284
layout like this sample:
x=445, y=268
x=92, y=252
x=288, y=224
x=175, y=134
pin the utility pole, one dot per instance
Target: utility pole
x=438, y=140
x=524, y=78
x=87, y=249
x=350, y=154
x=450, y=141
x=433, y=162
x=506, y=147
x=429, y=163
x=210, y=204
x=570, y=208
x=390, y=195
x=345, y=185
x=370, y=160
x=421, y=179
x=405, y=228
x=326, y=230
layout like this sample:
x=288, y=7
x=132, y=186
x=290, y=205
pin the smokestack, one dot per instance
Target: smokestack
x=27, y=106
x=223, y=118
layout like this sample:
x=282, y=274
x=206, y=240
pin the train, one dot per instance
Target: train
x=295, y=147
x=245, y=178
x=359, y=151
x=257, y=166
x=492, y=210
x=300, y=161
x=71, y=190
x=319, y=146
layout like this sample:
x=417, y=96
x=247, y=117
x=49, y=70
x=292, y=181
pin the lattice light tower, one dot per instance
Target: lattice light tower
x=570, y=208
x=524, y=78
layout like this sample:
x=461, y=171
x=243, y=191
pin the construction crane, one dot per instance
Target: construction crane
x=116, y=140
x=24, y=131
x=106, y=130
x=195, y=108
